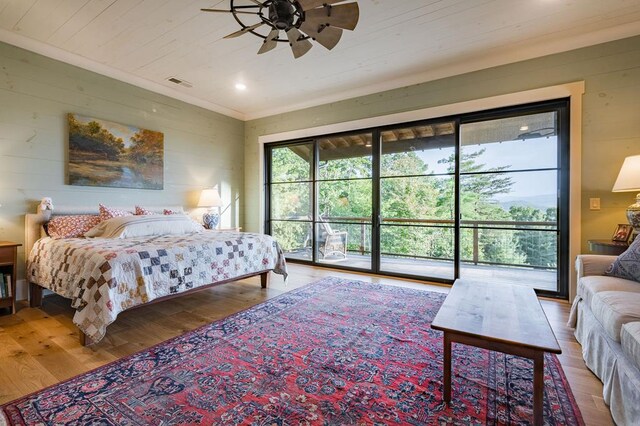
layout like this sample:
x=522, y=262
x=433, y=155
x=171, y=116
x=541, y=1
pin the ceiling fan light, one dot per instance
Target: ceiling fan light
x=281, y=14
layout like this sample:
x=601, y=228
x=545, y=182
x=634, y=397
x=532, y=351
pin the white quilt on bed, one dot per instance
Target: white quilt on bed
x=103, y=277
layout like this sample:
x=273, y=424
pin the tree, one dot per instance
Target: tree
x=539, y=247
x=477, y=189
x=146, y=147
x=93, y=141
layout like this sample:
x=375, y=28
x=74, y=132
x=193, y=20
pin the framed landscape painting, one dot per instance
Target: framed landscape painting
x=103, y=153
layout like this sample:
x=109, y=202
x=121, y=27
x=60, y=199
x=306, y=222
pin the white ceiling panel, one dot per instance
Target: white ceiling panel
x=397, y=42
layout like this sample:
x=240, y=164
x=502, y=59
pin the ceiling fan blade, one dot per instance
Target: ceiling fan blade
x=342, y=16
x=298, y=47
x=244, y=30
x=328, y=36
x=228, y=11
x=310, y=4
x=269, y=43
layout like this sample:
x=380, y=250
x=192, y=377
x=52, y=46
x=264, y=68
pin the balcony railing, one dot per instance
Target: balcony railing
x=532, y=244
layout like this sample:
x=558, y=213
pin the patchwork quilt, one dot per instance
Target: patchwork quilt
x=103, y=277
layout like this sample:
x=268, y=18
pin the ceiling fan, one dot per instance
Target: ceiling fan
x=300, y=20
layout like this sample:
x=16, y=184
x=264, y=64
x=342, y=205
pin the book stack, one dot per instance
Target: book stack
x=5, y=285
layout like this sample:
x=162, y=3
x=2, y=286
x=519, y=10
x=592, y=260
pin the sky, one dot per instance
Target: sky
x=520, y=155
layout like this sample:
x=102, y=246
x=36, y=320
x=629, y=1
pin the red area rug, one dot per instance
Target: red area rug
x=335, y=352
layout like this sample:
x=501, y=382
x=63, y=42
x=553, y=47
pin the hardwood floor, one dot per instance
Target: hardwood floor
x=40, y=347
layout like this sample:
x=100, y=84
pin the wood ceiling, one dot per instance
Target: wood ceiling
x=396, y=43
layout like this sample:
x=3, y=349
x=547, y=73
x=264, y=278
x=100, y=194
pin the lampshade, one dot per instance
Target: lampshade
x=629, y=176
x=210, y=198
x=629, y=180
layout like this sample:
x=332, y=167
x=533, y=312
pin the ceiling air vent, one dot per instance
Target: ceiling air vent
x=180, y=82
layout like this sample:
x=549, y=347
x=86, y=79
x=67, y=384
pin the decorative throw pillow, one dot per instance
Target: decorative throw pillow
x=144, y=226
x=627, y=265
x=71, y=226
x=141, y=211
x=107, y=213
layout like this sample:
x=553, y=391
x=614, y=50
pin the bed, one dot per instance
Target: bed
x=106, y=276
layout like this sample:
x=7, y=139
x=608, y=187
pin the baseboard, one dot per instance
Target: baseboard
x=22, y=290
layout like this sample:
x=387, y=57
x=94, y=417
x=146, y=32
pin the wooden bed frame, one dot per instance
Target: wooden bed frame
x=33, y=227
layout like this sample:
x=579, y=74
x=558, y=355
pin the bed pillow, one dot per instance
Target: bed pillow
x=627, y=265
x=141, y=211
x=144, y=226
x=71, y=226
x=107, y=213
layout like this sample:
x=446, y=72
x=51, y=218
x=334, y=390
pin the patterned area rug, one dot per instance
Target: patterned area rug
x=334, y=352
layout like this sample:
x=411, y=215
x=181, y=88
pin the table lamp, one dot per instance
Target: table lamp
x=629, y=180
x=210, y=198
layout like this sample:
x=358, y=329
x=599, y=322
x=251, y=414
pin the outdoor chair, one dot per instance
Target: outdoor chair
x=332, y=243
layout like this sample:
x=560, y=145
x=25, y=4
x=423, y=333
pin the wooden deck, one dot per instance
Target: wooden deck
x=529, y=277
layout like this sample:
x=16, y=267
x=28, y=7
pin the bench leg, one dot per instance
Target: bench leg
x=35, y=295
x=447, y=368
x=264, y=279
x=538, y=389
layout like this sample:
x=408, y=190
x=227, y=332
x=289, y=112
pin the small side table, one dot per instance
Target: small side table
x=8, y=261
x=614, y=248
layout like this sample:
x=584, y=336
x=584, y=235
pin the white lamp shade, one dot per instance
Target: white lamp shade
x=210, y=198
x=629, y=176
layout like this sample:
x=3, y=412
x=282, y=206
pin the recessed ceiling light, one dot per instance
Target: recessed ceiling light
x=524, y=128
x=241, y=87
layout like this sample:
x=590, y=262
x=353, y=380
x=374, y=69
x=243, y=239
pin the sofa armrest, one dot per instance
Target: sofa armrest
x=592, y=264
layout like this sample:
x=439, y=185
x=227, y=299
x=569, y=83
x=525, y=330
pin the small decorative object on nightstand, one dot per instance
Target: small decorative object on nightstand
x=629, y=180
x=8, y=261
x=210, y=199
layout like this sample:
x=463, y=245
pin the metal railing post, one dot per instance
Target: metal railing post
x=476, y=244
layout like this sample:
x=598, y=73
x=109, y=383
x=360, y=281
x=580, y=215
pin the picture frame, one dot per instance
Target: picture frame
x=622, y=233
x=105, y=153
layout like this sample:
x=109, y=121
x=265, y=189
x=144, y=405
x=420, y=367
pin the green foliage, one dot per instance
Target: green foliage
x=92, y=138
x=147, y=147
x=539, y=247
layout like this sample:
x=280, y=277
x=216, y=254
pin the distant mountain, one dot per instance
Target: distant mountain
x=541, y=202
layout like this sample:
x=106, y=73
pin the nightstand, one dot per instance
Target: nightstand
x=614, y=248
x=8, y=261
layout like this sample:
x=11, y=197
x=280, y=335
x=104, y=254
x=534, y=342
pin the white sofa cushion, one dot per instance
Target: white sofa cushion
x=589, y=286
x=630, y=339
x=615, y=308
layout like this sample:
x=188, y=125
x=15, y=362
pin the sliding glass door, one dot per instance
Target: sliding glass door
x=479, y=196
x=290, y=204
x=510, y=192
x=343, y=217
x=417, y=200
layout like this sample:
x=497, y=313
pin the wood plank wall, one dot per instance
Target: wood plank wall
x=202, y=148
